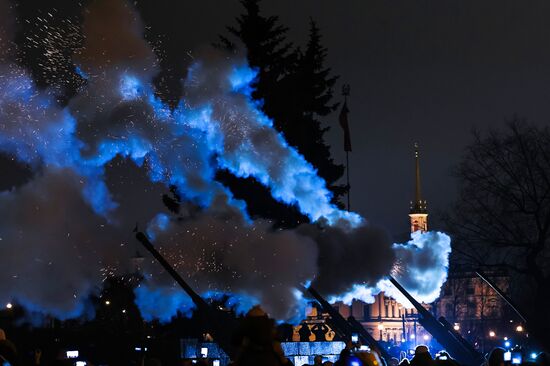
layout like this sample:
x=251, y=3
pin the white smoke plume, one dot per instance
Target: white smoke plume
x=218, y=251
x=49, y=260
x=349, y=257
x=420, y=266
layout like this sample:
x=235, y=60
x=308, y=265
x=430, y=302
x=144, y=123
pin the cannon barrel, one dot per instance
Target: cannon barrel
x=457, y=335
x=464, y=355
x=219, y=324
x=345, y=328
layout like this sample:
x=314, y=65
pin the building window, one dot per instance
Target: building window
x=367, y=311
x=472, y=309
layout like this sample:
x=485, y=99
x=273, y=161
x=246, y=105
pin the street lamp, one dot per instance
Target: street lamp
x=519, y=328
x=456, y=327
x=491, y=334
x=9, y=305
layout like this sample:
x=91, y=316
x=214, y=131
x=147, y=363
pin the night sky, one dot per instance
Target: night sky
x=427, y=71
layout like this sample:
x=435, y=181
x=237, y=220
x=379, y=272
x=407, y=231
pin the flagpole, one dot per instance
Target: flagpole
x=345, y=93
x=347, y=173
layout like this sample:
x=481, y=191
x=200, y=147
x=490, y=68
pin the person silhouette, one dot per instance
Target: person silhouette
x=304, y=333
x=320, y=331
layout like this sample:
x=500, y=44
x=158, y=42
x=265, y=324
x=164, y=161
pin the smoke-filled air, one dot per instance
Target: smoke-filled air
x=101, y=162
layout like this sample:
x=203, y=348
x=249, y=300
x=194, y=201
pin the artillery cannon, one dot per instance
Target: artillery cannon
x=457, y=346
x=218, y=323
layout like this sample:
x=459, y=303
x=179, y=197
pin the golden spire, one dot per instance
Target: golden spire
x=417, y=196
x=418, y=205
x=418, y=214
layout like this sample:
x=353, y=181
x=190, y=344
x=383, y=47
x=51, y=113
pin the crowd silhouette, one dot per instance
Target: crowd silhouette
x=258, y=344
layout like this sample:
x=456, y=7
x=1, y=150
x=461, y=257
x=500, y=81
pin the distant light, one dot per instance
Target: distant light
x=492, y=334
x=456, y=327
x=403, y=340
x=426, y=337
x=507, y=344
x=380, y=326
x=508, y=356
x=533, y=355
x=107, y=302
x=505, y=338
x=519, y=328
x=9, y=305
x=412, y=336
x=123, y=311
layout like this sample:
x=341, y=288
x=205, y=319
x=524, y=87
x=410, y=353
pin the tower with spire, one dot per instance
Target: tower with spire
x=418, y=213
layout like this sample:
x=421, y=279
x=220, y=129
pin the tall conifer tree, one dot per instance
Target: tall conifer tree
x=311, y=87
x=267, y=49
x=295, y=89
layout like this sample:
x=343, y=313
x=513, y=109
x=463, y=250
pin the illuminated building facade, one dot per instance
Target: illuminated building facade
x=387, y=320
x=476, y=311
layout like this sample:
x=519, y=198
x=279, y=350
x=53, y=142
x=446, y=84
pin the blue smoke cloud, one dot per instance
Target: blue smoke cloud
x=162, y=303
x=73, y=203
x=165, y=303
x=182, y=148
x=250, y=145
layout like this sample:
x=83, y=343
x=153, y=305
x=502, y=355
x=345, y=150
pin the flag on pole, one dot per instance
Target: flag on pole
x=345, y=126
